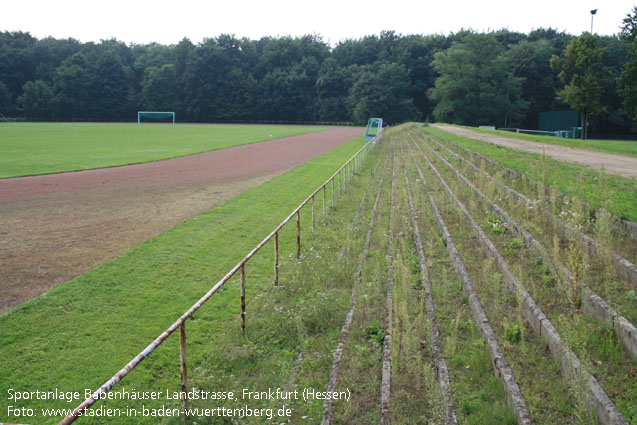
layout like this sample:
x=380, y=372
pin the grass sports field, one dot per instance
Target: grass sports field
x=42, y=148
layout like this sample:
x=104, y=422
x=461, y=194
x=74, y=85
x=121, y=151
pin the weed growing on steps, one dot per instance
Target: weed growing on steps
x=573, y=181
x=543, y=185
x=574, y=212
x=477, y=394
x=577, y=264
x=561, y=307
x=521, y=328
x=416, y=395
x=528, y=348
x=604, y=261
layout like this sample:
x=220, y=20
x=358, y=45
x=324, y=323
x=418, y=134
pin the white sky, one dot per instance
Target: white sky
x=167, y=22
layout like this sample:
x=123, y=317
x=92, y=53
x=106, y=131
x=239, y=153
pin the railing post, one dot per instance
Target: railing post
x=313, y=220
x=333, y=198
x=345, y=175
x=298, y=234
x=324, y=194
x=243, y=298
x=183, y=367
x=344, y=178
x=276, y=259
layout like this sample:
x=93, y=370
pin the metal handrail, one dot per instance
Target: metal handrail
x=347, y=168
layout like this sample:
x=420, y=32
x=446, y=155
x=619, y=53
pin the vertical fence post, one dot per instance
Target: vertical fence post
x=276, y=259
x=344, y=178
x=243, y=298
x=313, y=220
x=324, y=193
x=183, y=367
x=345, y=175
x=298, y=234
x=333, y=198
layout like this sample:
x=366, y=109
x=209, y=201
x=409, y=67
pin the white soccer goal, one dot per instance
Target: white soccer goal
x=153, y=115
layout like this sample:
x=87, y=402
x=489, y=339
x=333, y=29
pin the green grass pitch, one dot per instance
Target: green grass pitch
x=44, y=148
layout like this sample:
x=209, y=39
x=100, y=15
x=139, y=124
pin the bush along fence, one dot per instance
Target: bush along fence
x=336, y=181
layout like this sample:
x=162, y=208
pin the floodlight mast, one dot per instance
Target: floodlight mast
x=162, y=114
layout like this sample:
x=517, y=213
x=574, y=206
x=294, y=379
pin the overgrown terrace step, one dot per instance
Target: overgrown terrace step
x=598, y=400
x=328, y=411
x=592, y=303
x=440, y=363
x=501, y=366
x=626, y=270
x=620, y=225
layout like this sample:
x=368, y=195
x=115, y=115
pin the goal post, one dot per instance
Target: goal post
x=154, y=115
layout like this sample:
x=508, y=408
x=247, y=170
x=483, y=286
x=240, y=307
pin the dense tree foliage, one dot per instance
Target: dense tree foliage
x=628, y=78
x=476, y=85
x=500, y=78
x=584, y=74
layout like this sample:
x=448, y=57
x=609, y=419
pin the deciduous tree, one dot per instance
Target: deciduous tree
x=476, y=86
x=37, y=100
x=628, y=79
x=584, y=75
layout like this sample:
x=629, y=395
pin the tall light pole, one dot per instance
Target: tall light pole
x=593, y=13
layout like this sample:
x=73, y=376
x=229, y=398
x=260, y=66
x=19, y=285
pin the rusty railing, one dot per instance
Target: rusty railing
x=345, y=172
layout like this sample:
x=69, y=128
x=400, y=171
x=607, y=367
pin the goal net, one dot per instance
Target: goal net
x=152, y=116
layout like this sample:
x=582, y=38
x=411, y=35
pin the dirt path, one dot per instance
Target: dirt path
x=55, y=227
x=622, y=165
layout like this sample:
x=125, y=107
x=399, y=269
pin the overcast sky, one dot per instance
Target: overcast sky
x=167, y=22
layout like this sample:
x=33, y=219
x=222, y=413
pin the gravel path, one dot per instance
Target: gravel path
x=621, y=165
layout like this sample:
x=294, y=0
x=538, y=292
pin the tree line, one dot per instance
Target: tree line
x=500, y=78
